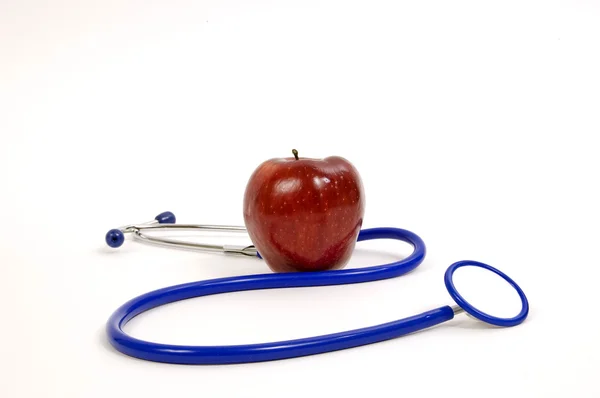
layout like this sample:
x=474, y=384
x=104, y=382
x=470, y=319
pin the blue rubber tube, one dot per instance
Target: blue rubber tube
x=183, y=354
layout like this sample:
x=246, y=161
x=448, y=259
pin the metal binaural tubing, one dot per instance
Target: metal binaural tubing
x=176, y=243
x=167, y=221
x=130, y=228
x=248, y=250
x=190, y=227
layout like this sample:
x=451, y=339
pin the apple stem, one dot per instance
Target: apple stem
x=295, y=152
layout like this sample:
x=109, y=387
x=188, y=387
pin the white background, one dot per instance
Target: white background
x=472, y=124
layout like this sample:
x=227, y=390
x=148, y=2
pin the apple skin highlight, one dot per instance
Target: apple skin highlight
x=304, y=214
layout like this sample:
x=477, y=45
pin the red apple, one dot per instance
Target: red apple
x=304, y=214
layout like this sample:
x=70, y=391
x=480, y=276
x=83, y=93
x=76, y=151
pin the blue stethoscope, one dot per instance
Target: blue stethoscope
x=185, y=354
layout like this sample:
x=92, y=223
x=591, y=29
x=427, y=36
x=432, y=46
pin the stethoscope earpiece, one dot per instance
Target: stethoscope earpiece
x=166, y=218
x=116, y=237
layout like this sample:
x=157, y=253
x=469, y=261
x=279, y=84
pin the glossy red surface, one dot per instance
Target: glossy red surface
x=304, y=214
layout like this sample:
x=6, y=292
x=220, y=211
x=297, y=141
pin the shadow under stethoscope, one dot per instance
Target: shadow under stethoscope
x=363, y=257
x=466, y=321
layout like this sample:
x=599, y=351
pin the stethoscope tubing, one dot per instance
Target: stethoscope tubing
x=186, y=354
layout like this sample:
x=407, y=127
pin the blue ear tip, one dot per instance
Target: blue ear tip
x=166, y=218
x=115, y=238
